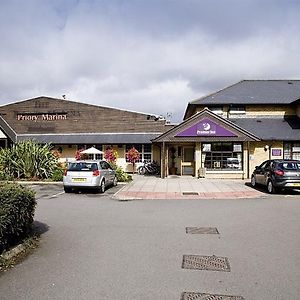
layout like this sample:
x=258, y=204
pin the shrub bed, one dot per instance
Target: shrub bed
x=122, y=176
x=17, y=206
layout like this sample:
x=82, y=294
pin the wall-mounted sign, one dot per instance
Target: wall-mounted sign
x=276, y=152
x=42, y=117
x=206, y=127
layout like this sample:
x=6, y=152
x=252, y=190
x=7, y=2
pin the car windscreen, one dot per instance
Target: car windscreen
x=82, y=166
x=293, y=165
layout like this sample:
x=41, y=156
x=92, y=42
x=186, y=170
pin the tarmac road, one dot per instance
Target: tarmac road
x=94, y=247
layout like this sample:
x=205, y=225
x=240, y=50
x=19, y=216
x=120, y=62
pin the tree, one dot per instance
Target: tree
x=133, y=156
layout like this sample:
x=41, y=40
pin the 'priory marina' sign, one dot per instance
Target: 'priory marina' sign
x=42, y=117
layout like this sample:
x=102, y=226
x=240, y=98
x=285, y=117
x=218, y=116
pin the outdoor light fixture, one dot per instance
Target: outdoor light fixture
x=266, y=148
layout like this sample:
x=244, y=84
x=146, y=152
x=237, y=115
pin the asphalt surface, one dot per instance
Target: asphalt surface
x=94, y=247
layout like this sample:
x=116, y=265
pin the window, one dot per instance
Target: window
x=104, y=165
x=237, y=109
x=82, y=166
x=145, y=151
x=217, y=109
x=99, y=156
x=222, y=156
x=291, y=150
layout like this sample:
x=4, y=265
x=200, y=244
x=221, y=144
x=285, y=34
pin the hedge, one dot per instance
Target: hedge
x=17, y=206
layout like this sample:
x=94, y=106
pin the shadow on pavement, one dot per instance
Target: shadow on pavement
x=39, y=227
x=263, y=189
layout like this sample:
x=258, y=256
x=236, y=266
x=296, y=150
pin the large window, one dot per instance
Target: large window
x=237, y=109
x=291, y=150
x=144, y=150
x=217, y=109
x=222, y=156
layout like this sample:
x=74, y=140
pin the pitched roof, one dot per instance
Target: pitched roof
x=254, y=92
x=286, y=129
x=8, y=130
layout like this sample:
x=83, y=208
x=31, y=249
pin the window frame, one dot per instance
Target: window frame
x=142, y=152
x=220, y=158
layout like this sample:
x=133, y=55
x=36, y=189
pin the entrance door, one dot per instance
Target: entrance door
x=188, y=163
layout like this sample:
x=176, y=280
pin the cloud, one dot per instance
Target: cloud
x=145, y=56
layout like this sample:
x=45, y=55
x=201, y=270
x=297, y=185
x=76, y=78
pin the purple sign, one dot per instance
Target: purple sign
x=276, y=152
x=206, y=127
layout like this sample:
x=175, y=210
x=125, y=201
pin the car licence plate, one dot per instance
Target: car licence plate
x=78, y=179
x=296, y=184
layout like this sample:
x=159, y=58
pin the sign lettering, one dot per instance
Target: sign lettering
x=207, y=128
x=41, y=117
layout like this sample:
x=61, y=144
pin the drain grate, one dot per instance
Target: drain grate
x=202, y=230
x=190, y=193
x=209, y=263
x=203, y=296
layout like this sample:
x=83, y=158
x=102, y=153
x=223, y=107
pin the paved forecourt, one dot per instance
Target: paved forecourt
x=150, y=187
x=94, y=247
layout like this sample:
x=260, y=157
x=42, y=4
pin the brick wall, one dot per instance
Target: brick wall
x=74, y=117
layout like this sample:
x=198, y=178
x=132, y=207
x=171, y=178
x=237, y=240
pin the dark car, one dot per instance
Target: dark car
x=277, y=174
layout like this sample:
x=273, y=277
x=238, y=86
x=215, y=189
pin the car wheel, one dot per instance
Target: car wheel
x=102, y=186
x=67, y=189
x=253, y=181
x=115, y=182
x=270, y=187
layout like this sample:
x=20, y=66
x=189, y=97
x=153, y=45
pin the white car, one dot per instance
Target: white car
x=90, y=174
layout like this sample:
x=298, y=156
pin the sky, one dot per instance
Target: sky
x=148, y=56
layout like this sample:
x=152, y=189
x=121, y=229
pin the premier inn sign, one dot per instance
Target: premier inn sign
x=206, y=127
x=42, y=117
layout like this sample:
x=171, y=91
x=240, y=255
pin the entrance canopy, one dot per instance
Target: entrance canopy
x=206, y=126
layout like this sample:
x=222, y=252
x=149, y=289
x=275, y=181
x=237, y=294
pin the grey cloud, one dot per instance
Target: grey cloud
x=149, y=56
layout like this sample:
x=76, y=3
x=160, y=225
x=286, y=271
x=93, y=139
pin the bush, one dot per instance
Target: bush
x=17, y=206
x=4, y=176
x=58, y=174
x=28, y=159
x=122, y=176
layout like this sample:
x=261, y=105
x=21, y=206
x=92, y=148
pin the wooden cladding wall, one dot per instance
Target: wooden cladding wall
x=50, y=115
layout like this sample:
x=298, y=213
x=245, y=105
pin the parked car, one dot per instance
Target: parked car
x=277, y=174
x=89, y=174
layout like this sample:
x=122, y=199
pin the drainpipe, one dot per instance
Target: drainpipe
x=162, y=175
x=248, y=160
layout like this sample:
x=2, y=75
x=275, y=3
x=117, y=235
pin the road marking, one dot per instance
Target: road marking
x=53, y=196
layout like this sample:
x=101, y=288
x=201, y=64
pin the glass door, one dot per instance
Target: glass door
x=188, y=161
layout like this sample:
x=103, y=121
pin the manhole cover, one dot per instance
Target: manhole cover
x=190, y=193
x=202, y=230
x=203, y=296
x=210, y=263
